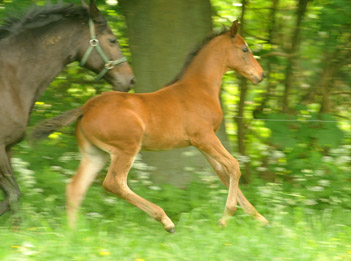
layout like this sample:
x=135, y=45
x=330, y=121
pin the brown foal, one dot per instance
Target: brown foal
x=185, y=113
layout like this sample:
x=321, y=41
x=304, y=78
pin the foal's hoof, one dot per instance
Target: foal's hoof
x=267, y=226
x=263, y=221
x=171, y=230
x=222, y=222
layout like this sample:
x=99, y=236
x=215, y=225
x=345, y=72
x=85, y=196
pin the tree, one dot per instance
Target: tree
x=161, y=34
x=243, y=86
x=294, y=48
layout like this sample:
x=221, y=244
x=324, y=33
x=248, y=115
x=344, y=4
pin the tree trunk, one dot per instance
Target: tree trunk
x=240, y=121
x=270, y=59
x=295, y=43
x=161, y=34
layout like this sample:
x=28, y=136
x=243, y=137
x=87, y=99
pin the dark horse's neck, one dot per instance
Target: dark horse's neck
x=34, y=57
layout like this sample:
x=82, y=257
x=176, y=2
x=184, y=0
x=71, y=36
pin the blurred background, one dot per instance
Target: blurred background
x=291, y=133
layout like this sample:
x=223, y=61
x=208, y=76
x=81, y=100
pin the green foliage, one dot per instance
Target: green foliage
x=300, y=162
x=111, y=229
x=317, y=130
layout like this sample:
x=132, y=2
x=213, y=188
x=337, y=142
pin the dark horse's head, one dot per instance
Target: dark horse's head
x=99, y=51
x=56, y=35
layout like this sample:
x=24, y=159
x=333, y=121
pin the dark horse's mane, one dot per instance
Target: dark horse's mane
x=193, y=53
x=38, y=16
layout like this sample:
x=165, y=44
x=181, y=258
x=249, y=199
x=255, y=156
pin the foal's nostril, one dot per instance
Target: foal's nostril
x=263, y=75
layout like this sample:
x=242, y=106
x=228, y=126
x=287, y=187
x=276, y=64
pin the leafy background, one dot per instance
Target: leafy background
x=296, y=164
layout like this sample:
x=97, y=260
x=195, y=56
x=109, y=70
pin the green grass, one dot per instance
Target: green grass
x=306, y=223
x=119, y=231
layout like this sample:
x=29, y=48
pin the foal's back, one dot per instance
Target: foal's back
x=154, y=121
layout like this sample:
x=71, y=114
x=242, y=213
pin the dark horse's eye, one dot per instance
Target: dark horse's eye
x=113, y=41
x=245, y=49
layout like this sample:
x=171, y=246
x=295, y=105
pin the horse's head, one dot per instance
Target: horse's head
x=100, y=52
x=241, y=59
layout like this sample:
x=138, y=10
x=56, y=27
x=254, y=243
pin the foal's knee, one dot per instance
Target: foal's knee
x=233, y=169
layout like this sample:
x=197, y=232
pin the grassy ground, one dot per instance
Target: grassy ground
x=307, y=222
x=118, y=231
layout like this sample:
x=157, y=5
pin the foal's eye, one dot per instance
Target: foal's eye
x=113, y=41
x=245, y=49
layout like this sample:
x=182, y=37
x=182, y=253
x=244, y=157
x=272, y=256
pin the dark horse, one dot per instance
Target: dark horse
x=33, y=51
x=184, y=113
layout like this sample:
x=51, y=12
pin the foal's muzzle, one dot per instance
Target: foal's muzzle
x=258, y=79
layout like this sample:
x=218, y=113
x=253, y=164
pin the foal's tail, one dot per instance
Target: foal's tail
x=45, y=128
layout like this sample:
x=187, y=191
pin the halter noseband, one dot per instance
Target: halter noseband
x=94, y=43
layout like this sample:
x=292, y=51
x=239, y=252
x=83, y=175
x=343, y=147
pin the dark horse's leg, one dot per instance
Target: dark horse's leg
x=8, y=184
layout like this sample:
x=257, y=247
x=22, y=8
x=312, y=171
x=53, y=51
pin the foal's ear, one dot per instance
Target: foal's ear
x=235, y=28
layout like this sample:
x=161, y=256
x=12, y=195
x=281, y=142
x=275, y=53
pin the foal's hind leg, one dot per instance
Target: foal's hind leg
x=242, y=200
x=116, y=182
x=8, y=184
x=93, y=160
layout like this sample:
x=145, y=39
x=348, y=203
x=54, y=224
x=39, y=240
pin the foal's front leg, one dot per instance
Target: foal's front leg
x=242, y=200
x=116, y=182
x=223, y=162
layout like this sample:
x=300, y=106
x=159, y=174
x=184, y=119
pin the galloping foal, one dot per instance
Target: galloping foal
x=184, y=113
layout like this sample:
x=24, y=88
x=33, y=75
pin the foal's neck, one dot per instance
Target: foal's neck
x=205, y=72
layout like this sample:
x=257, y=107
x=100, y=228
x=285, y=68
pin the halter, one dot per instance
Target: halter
x=94, y=43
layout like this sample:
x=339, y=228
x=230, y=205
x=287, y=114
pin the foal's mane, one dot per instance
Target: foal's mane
x=38, y=16
x=193, y=53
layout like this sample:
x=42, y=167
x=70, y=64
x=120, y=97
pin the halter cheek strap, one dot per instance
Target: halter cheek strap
x=94, y=44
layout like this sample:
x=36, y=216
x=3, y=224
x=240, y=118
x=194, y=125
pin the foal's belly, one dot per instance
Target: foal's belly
x=164, y=141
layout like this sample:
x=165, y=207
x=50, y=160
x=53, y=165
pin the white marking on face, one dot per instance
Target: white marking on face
x=247, y=46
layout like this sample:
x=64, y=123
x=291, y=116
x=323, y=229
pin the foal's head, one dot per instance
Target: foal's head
x=241, y=59
x=109, y=61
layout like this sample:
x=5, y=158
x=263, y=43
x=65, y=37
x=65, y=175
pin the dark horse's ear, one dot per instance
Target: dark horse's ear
x=84, y=4
x=235, y=28
x=94, y=12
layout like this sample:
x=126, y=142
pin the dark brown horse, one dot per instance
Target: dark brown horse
x=33, y=51
x=184, y=113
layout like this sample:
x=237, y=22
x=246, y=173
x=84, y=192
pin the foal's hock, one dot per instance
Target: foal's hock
x=184, y=113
